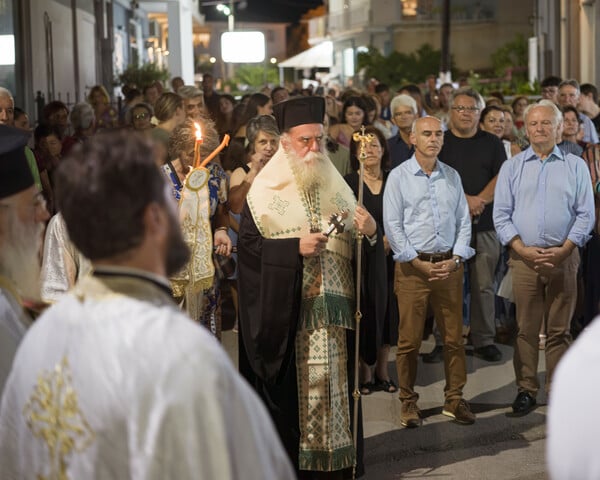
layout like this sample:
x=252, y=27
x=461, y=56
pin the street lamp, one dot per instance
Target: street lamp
x=227, y=11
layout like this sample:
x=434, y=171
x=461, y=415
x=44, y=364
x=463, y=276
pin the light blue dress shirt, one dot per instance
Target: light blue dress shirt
x=544, y=202
x=426, y=213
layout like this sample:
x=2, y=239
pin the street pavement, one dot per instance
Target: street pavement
x=496, y=447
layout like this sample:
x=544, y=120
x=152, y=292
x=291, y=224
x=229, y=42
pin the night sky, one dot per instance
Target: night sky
x=266, y=10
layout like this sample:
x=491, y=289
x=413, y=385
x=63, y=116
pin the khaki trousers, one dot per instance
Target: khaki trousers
x=414, y=291
x=538, y=297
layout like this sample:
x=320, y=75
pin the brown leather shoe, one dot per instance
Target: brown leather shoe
x=459, y=410
x=410, y=415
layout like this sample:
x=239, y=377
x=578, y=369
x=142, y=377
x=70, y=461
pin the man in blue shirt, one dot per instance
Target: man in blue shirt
x=543, y=211
x=427, y=223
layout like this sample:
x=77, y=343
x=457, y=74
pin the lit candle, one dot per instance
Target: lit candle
x=197, y=146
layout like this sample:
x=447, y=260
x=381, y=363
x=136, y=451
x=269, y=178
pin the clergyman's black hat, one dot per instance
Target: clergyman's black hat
x=15, y=174
x=299, y=111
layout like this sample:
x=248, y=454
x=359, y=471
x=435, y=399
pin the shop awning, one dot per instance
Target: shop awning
x=319, y=56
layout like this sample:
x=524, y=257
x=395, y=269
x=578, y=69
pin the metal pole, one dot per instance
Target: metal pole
x=75, y=48
x=362, y=140
x=445, y=60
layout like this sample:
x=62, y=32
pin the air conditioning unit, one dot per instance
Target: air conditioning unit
x=154, y=29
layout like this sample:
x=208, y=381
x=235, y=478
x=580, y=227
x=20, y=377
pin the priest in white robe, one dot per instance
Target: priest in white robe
x=62, y=263
x=22, y=217
x=113, y=381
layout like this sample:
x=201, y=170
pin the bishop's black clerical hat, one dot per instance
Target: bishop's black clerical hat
x=299, y=111
x=15, y=174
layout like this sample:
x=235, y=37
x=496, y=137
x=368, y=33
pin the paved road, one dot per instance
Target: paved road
x=497, y=446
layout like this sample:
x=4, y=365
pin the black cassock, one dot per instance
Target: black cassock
x=270, y=285
x=379, y=324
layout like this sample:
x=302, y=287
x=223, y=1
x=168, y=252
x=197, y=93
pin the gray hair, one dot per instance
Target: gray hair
x=261, y=123
x=556, y=113
x=5, y=92
x=571, y=82
x=189, y=91
x=405, y=101
x=413, y=128
x=468, y=92
x=82, y=116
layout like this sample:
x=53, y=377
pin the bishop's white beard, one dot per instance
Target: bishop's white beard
x=19, y=255
x=309, y=169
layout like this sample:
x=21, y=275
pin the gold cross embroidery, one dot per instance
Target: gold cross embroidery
x=340, y=202
x=53, y=415
x=279, y=205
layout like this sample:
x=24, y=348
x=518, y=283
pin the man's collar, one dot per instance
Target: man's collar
x=115, y=270
x=400, y=139
x=555, y=154
x=415, y=168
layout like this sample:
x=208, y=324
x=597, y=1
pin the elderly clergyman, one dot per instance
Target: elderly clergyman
x=296, y=291
x=22, y=216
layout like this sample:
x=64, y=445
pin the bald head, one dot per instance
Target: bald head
x=427, y=136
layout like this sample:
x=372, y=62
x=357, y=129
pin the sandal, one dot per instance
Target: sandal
x=367, y=388
x=385, y=385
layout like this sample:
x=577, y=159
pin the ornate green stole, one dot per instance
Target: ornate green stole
x=281, y=210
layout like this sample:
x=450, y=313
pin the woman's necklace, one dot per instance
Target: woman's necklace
x=368, y=175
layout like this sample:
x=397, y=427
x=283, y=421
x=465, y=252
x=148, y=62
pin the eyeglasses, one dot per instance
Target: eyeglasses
x=462, y=108
x=140, y=116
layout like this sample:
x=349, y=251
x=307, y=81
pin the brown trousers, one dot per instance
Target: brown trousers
x=538, y=298
x=414, y=291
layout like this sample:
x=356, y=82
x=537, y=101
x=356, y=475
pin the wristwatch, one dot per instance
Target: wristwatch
x=457, y=263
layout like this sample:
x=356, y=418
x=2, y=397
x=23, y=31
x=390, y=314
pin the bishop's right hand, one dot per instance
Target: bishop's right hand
x=313, y=244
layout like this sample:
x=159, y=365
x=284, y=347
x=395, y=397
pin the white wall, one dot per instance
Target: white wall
x=86, y=33
x=62, y=46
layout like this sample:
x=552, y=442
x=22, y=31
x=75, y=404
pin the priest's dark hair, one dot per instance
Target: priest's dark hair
x=385, y=154
x=102, y=190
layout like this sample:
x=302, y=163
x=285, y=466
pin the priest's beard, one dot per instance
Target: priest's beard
x=178, y=252
x=19, y=254
x=309, y=169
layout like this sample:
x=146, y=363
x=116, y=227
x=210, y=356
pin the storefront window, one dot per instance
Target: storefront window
x=7, y=45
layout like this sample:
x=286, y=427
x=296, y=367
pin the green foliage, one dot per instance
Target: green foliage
x=510, y=69
x=253, y=76
x=399, y=68
x=510, y=55
x=507, y=85
x=140, y=77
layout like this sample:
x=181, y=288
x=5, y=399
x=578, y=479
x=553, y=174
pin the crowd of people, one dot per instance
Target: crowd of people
x=478, y=220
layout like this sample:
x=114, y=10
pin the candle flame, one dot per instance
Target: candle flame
x=198, y=132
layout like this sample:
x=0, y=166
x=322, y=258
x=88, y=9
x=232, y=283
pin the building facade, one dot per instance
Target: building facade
x=568, y=36
x=60, y=49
